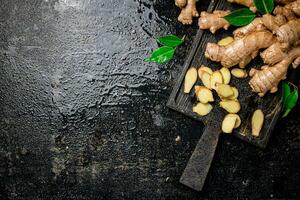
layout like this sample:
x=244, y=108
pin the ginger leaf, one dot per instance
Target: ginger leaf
x=240, y=17
x=286, y=91
x=292, y=100
x=170, y=41
x=264, y=6
x=289, y=98
x=161, y=55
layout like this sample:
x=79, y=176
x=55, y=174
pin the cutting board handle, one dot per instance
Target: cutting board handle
x=198, y=166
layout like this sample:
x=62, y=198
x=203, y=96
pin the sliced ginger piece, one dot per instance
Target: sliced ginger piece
x=235, y=94
x=204, y=69
x=225, y=41
x=257, y=122
x=224, y=91
x=238, y=120
x=231, y=106
x=239, y=73
x=216, y=78
x=204, y=95
x=202, y=109
x=228, y=123
x=190, y=79
x=206, y=79
x=225, y=74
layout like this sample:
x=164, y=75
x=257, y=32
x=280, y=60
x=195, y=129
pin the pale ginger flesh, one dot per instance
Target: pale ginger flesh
x=213, y=21
x=240, y=50
x=188, y=11
x=269, y=76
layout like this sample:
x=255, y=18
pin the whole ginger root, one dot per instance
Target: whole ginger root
x=267, y=21
x=289, y=33
x=188, y=11
x=248, y=3
x=240, y=51
x=269, y=76
x=275, y=53
x=213, y=21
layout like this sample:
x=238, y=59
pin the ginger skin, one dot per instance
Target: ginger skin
x=267, y=21
x=296, y=63
x=213, y=21
x=289, y=11
x=269, y=76
x=275, y=53
x=284, y=1
x=188, y=11
x=247, y=3
x=180, y=3
x=240, y=51
x=289, y=33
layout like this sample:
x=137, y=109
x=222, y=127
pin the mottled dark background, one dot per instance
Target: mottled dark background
x=84, y=117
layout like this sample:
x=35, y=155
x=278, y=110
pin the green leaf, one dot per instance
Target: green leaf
x=292, y=100
x=161, y=55
x=286, y=112
x=264, y=6
x=240, y=17
x=170, y=41
x=286, y=92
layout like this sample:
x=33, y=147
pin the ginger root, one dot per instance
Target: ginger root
x=241, y=51
x=284, y=1
x=296, y=63
x=289, y=11
x=248, y=3
x=274, y=54
x=267, y=21
x=269, y=76
x=289, y=33
x=213, y=21
x=188, y=11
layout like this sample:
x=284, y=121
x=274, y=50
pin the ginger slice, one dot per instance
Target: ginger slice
x=257, y=122
x=204, y=95
x=190, y=79
x=204, y=69
x=235, y=93
x=231, y=106
x=226, y=75
x=216, y=78
x=224, y=91
x=239, y=73
x=228, y=123
x=202, y=109
x=206, y=79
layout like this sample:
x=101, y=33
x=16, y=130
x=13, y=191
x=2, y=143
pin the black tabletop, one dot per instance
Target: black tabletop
x=84, y=117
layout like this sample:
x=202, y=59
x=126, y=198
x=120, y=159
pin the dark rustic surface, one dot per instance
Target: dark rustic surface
x=83, y=117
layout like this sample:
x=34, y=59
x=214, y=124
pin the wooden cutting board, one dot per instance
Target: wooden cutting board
x=200, y=161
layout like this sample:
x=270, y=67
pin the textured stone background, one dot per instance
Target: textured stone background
x=84, y=117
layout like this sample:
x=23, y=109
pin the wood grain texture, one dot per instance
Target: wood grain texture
x=270, y=104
